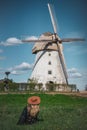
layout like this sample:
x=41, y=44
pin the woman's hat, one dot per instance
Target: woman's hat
x=34, y=100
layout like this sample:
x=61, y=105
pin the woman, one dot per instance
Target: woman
x=31, y=111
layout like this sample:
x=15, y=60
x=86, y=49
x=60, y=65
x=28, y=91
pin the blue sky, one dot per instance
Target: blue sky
x=26, y=18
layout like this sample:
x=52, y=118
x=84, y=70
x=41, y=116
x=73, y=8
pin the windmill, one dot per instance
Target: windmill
x=50, y=65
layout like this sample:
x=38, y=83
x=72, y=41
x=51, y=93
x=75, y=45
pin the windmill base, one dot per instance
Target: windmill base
x=59, y=87
x=50, y=86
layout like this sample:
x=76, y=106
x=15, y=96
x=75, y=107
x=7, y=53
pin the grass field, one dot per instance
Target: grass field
x=59, y=112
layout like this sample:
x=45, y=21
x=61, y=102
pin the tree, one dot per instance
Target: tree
x=40, y=86
x=32, y=84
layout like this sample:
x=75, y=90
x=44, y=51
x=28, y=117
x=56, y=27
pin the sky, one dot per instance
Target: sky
x=25, y=19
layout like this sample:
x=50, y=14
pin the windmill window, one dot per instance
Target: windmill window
x=49, y=54
x=49, y=63
x=49, y=72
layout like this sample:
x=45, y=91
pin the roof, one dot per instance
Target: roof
x=39, y=46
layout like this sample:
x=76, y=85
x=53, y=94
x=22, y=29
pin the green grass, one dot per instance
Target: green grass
x=59, y=112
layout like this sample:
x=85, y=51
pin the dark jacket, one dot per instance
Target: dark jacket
x=25, y=118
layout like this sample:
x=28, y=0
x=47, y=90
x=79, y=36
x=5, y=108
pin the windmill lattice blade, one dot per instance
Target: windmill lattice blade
x=62, y=62
x=72, y=39
x=37, y=40
x=53, y=18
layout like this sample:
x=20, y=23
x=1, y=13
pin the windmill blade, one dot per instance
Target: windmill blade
x=39, y=59
x=53, y=18
x=43, y=40
x=71, y=39
x=62, y=62
x=44, y=51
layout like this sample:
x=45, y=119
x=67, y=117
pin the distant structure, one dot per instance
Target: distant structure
x=7, y=74
x=50, y=65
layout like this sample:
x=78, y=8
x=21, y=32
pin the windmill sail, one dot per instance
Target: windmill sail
x=50, y=64
x=63, y=63
x=54, y=23
x=53, y=18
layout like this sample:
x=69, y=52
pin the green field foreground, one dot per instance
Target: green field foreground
x=59, y=112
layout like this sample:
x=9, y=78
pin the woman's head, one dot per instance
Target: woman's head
x=34, y=100
x=33, y=105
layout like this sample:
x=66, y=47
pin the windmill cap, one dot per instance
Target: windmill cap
x=34, y=100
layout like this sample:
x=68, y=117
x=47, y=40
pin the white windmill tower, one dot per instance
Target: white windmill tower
x=49, y=64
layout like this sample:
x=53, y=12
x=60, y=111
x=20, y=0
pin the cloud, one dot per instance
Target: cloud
x=73, y=73
x=14, y=72
x=31, y=38
x=72, y=70
x=81, y=81
x=11, y=42
x=1, y=51
x=20, y=69
x=23, y=66
x=1, y=71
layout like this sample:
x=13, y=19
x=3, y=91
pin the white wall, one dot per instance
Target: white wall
x=40, y=71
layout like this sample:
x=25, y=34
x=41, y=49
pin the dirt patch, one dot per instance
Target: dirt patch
x=81, y=93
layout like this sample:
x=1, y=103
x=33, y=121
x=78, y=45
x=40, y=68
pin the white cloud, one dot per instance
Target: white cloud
x=1, y=51
x=21, y=68
x=18, y=69
x=80, y=82
x=72, y=70
x=14, y=72
x=1, y=71
x=73, y=73
x=11, y=42
x=31, y=38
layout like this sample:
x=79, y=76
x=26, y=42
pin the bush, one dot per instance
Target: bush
x=1, y=86
x=13, y=86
